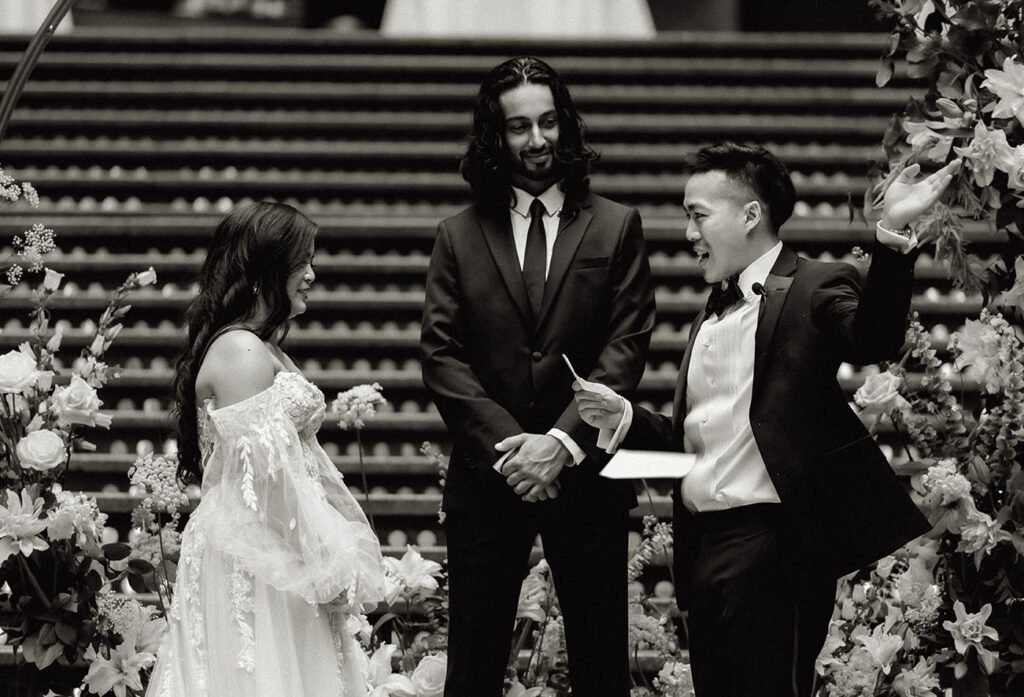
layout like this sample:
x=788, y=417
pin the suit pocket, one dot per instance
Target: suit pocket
x=589, y=263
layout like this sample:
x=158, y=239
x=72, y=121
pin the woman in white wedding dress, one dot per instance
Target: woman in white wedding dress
x=277, y=552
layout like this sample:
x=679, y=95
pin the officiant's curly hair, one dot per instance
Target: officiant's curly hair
x=487, y=165
x=253, y=252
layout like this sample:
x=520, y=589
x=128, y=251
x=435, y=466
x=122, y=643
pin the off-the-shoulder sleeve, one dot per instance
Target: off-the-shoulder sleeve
x=275, y=518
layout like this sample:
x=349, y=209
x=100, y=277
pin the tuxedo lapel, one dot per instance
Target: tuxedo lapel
x=679, y=399
x=573, y=226
x=776, y=287
x=503, y=251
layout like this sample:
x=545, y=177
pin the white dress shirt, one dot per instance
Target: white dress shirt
x=729, y=470
x=519, y=210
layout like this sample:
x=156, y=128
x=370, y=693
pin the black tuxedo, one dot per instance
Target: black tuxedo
x=494, y=370
x=842, y=507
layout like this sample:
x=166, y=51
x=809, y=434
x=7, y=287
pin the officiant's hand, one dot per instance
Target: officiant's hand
x=599, y=406
x=906, y=199
x=534, y=466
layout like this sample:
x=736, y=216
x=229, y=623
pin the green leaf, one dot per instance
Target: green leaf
x=922, y=68
x=971, y=17
x=137, y=583
x=140, y=566
x=116, y=551
x=885, y=72
x=67, y=634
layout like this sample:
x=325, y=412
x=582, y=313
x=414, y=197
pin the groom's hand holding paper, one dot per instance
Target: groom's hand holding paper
x=601, y=407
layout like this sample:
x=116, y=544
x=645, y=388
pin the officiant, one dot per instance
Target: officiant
x=788, y=491
x=537, y=267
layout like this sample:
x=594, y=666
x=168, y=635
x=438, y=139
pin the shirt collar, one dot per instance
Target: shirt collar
x=553, y=199
x=758, y=271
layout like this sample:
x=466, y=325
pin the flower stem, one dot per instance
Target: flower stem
x=35, y=583
x=366, y=488
x=163, y=557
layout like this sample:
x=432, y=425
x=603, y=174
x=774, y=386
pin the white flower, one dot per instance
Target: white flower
x=78, y=403
x=882, y=647
x=979, y=534
x=428, y=678
x=1008, y=86
x=18, y=372
x=880, y=394
x=21, y=524
x=42, y=450
x=76, y=514
x=119, y=672
x=52, y=279
x=969, y=630
x=382, y=681
x=146, y=278
x=356, y=405
x=925, y=141
x=1013, y=165
x=415, y=573
x=983, y=347
x=919, y=681
x=984, y=153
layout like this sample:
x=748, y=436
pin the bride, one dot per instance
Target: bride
x=277, y=554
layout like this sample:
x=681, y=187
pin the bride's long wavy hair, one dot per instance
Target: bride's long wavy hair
x=253, y=252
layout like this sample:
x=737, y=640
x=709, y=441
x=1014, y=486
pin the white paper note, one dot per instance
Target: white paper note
x=649, y=464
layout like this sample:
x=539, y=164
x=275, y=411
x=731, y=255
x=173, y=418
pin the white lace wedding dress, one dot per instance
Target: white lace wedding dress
x=276, y=536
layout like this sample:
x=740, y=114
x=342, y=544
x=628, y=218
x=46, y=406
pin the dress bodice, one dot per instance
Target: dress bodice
x=303, y=403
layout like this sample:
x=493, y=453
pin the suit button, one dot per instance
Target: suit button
x=537, y=355
x=532, y=405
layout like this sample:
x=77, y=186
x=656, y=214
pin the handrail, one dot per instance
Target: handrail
x=28, y=62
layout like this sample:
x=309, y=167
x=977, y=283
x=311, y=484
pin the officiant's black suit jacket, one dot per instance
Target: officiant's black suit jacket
x=494, y=370
x=844, y=506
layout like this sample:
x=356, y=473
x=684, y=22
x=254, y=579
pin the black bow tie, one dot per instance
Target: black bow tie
x=722, y=298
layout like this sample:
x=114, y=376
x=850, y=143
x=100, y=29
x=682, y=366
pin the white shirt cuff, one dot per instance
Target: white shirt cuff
x=565, y=439
x=894, y=241
x=610, y=439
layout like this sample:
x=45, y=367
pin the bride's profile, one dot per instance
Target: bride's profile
x=277, y=551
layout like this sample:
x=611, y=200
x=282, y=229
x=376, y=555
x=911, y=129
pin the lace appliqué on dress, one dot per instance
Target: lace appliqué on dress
x=242, y=606
x=190, y=563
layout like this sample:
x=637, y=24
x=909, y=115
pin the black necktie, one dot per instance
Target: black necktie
x=722, y=298
x=535, y=259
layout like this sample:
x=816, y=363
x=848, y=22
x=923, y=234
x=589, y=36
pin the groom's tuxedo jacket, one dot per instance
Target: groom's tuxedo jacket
x=494, y=370
x=844, y=507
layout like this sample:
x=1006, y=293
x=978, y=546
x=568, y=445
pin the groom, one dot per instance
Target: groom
x=788, y=491
x=537, y=267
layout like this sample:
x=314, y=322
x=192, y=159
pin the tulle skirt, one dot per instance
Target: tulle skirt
x=231, y=635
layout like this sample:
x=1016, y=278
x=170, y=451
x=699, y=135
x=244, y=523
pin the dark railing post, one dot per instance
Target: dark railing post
x=17, y=81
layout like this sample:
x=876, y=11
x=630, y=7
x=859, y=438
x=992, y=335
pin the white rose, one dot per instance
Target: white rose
x=17, y=372
x=78, y=404
x=42, y=450
x=879, y=393
x=428, y=678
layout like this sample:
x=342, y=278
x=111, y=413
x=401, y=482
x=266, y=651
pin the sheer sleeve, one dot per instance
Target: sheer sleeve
x=273, y=514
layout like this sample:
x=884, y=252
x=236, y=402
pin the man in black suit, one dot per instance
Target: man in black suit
x=788, y=491
x=537, y=267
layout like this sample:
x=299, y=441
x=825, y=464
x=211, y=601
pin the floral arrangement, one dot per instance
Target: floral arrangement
x=968, y=53
x=53, y=565
x=945, y=611
x=943, y=615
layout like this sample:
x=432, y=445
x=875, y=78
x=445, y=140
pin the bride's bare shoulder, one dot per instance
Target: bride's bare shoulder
x=237, y=366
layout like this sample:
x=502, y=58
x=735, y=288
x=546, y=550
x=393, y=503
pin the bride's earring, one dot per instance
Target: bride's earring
x=255, y=289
